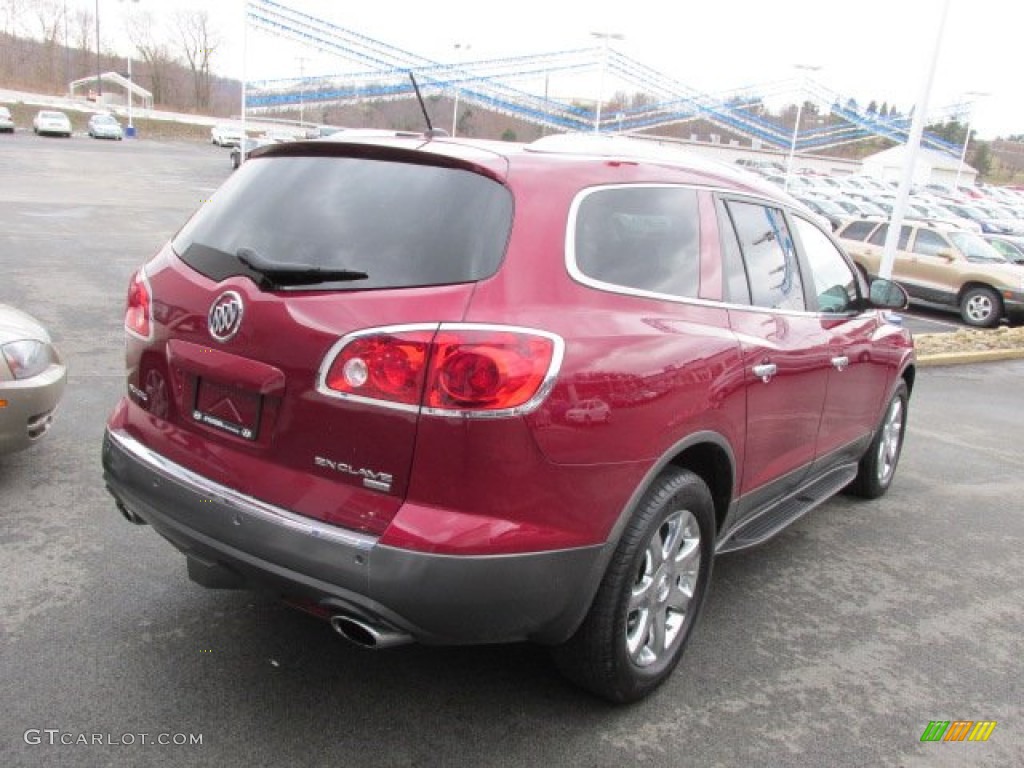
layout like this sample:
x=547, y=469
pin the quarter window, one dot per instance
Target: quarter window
x=644, y=238
x=769, y=255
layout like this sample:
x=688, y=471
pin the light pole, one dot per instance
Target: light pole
x=99, y=79
x=302, y=91
x=967, y=137
x=910, y=154
x=605, y=36
x=455, y=109
x=131, y=85
x=796, y=123
x=67, y=50
x=99, y=71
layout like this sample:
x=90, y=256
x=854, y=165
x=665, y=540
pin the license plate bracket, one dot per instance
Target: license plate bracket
x=227, y=409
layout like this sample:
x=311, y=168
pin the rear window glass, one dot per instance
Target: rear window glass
x=402, y=224
x=644, y=238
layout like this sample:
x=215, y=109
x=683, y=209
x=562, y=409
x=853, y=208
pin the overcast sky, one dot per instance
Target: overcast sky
x=867, y=49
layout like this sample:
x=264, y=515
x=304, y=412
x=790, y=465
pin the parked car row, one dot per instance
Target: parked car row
x=52, y=122
x=986, y=210
x=960, y=250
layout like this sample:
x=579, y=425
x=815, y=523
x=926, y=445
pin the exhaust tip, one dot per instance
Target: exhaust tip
x=354, y=631
x=367, y=635
x=128, y=515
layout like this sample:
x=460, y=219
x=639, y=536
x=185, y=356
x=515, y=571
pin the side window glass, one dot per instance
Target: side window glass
x=929, y=243
x=878, y=238
x=769, y=255
x=858, y=230
x=904, y=238
x=834, y=281
x=737, y=287
x=645, y=238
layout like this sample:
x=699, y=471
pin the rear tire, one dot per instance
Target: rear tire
x=981, y=307
x=651, y=595
x=878, y=464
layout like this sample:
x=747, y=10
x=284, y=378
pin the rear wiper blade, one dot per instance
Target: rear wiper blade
x=279, y=273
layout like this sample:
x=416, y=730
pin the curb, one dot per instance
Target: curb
x=962, y=358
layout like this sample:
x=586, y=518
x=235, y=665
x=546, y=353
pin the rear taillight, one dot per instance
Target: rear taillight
x=382, y=366
x=138, y=315
x=448, y=370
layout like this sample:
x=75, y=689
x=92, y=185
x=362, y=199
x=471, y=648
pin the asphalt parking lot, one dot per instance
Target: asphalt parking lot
x=835, y=644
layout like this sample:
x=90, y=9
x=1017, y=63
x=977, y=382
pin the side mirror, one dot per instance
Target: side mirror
x=947, y=255
x=885, y=294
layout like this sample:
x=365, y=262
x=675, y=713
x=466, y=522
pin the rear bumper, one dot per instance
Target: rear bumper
x=230, y=537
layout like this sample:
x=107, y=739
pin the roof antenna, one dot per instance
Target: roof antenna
x=431, y=130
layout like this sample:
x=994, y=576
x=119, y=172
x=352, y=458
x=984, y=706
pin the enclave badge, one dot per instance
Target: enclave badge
x=225, y=316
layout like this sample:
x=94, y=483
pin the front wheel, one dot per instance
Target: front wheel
x=981, y=307
x=650, y=596
x=878, y=464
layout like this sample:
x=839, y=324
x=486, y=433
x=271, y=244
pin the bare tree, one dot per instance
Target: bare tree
x=198, y=43
x=49, y=18
x=11, y=12
x=83, y=36
x=145, y=34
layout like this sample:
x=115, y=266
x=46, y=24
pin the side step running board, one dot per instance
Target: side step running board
x=773, y=519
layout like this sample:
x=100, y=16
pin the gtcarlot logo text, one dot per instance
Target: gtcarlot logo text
x=57, y=737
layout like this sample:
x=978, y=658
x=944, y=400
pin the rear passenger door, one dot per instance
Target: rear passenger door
x=903, y=270
x=784, y=348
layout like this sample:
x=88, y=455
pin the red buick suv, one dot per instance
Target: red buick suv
x=459, y=391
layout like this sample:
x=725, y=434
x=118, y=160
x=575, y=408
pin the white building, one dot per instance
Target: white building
x=932, y=167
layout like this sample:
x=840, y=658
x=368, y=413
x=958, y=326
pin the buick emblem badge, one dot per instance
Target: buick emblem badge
x=225, y=316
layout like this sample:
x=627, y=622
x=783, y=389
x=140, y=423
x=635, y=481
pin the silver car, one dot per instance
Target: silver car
x=105, y=127
x=32, y=378
x=6, y=121
x=49, y=121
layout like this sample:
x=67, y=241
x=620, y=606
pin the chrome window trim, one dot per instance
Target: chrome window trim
x=744, y=196
x=238, y=501
x=592, y=282
x=548, y=383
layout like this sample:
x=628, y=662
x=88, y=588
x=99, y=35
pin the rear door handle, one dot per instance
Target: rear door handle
x=840, y=362
x=765, y=371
